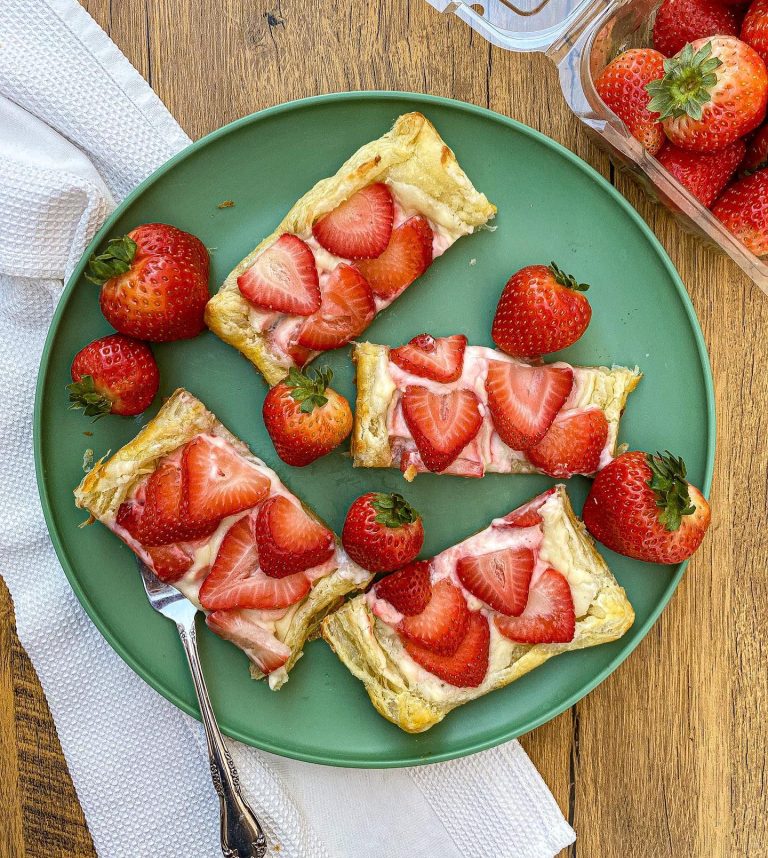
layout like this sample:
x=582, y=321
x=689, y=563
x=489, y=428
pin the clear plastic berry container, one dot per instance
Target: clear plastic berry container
x=580, y=37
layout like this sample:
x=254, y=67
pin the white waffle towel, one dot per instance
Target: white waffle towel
x=78, y=129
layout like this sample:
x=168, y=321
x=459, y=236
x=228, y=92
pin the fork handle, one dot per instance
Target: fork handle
x=241, y=834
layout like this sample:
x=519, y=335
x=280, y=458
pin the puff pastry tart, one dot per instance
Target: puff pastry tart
x=347, y=249
x=438, y=404
x=209, y=517
x=480, y=614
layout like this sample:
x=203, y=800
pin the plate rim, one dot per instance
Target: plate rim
x=253, y=118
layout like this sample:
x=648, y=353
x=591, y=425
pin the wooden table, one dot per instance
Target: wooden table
x=668, y=756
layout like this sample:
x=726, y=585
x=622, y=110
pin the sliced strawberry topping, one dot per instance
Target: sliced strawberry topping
x=572, y=445
x=299, y=354
x=528, y=514
x=346, y=310
x=524, y=400
x=409, y=589
x=283, y=278
x=236, y=580
x=467, y=665
x=438, y=358
x=442, y=624
x=407, y=257
x=549, y=615
x=441, y=424
x=500, y=579
x=170, y=562
x=361, y=226
x=262, y=647
x=289, y=540
x=218, y=481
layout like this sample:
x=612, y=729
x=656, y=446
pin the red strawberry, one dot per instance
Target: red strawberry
x=283, y=278
x=743, y=210
x=170, y=562
x=467, y=666
x=115, y=374
x=705, y=174
x=754, y=30
x=713, y=92
x=154, y=283
x=621, y=85
x=218, y=481
x=409, y=589
x=290, y=540
x=346, y=310
x=641, y=506
x=548, y=617
x=305, y=418
x=757, y=153
x=438, y=358
x=572, y=445
x=382, y=532
x=541, y=310
x=236, y=581
x=262, y=647
x=441, y=424
x=360, y=228
x=528, y=515
x=524, y=400
x=681, y=21
x=500, y=578
x=408, y=255
x=441, y=626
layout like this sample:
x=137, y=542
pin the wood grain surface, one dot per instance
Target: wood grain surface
x=668, y=756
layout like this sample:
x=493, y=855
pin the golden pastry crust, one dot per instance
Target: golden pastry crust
x=411, y=153
x=181, y=418
x=607, y=388
x=362, y=642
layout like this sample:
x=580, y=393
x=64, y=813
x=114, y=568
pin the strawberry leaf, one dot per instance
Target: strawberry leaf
x=83, y=394
x=567, y=280
x=393, y=510
x=687, y=84
x=671, y=490
x=114, y=261
x=310, y=392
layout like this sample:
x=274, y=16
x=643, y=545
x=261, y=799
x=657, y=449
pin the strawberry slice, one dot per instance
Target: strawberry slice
x=500, y=578
x=235, y=581
x=467, y=665
x=170, y=562
x=528, y=514
x=409, y=589
x=361, y=226
x=408, y=255
x=548, y=617
x=289, y=540
x=346, y=310
x=441, y=424
x=441, y=626
x=524, y=400
x=572, y=445
x=283, y=278
x=262, y=647
x=218, y=481
x=438, y=358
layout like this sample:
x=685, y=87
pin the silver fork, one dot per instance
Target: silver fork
x=241, y=834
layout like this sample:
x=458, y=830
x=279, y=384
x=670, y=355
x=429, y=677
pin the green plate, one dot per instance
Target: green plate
x=551, y=206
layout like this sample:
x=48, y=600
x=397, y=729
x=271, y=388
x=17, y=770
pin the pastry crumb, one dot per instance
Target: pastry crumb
x=88, y=434
x=225, y=204
x=88, y=460
x=473, y=261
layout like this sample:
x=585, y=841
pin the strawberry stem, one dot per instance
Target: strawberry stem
x=686, y=85
x=83, y=394
x=671, y=489
x=113, y=262
x=393, y=510
x=567, y=280
x=309, y=391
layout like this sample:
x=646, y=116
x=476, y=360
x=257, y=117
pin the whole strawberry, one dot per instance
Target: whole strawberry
x=641, y=506
x=681, y=21
x=621, y=85
x=541, y=310
x=743, y=210
x=754, y=30
x=113, y=375
x=705, y=174
x=305, y=418
x=154, y=283
x=713, y=92
x=382, y=532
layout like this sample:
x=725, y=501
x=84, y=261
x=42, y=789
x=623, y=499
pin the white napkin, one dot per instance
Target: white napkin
x=78, y=129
